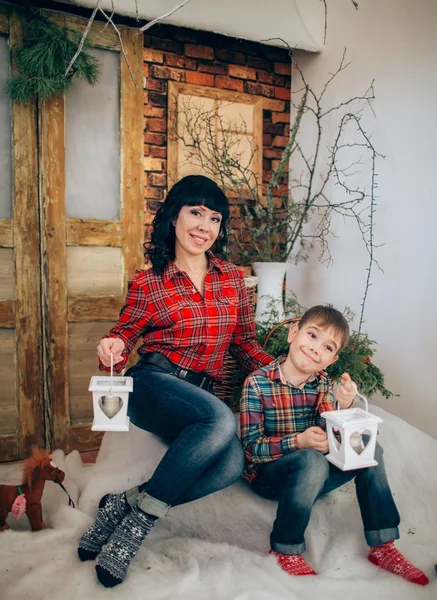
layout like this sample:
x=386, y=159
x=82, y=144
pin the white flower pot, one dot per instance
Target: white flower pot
x=270, y=288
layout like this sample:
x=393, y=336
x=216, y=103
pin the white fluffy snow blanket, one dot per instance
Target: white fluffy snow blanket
x=216, y=548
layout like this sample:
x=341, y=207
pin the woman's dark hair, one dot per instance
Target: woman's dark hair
x=192, y=190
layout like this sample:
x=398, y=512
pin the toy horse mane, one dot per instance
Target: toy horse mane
x=38, y=460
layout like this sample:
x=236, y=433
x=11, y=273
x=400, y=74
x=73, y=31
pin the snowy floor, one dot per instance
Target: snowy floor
x=216, y=548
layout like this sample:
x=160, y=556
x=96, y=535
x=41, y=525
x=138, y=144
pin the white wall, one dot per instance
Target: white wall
x=395, y=43
x=295, y=21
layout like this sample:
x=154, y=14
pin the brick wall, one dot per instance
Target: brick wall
x=213, y=60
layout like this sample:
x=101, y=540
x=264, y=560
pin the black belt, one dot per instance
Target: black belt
x=202, y=380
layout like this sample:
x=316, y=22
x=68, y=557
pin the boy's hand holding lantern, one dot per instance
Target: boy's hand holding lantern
x=346, y=392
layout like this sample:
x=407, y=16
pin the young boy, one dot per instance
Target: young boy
x=285, y=443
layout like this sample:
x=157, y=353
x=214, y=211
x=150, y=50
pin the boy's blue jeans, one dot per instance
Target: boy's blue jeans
x=205, y=454
x=299, y=478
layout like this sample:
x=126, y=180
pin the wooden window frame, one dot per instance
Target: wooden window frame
x=175, y=89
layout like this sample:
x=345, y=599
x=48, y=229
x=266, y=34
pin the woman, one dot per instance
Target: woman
x=190, y=308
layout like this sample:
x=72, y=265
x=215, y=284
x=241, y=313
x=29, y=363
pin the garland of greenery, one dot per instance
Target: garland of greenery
x=43, y=60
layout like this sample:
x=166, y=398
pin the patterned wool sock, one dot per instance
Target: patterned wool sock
x=293, y=564
x=124, y=543
x=388, y=557
x=112, y=509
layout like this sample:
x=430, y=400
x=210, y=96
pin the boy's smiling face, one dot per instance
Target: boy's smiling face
x=312, y=348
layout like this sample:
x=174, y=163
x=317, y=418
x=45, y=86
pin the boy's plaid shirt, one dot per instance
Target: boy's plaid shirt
x=273, y=413
x=191, y=330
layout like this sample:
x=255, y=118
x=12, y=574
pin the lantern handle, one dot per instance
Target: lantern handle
x=365, y=401
x=112, y=374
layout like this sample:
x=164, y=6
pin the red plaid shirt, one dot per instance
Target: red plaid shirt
x=192, y=331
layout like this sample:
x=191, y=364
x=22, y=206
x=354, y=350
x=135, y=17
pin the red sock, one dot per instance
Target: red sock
x=389, y=558
x=293, y=564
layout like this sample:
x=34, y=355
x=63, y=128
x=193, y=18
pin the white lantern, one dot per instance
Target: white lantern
x=352, y=436
x=110, y=402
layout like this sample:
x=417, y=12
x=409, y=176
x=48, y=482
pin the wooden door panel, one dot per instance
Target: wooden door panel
x=88, y=260
x=21, y=406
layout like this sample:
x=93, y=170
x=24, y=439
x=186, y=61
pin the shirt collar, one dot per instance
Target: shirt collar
x=214, y=264
x=277, y=374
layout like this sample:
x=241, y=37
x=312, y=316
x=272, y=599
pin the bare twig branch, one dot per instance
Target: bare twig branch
x=83, y=38
x=167, y=14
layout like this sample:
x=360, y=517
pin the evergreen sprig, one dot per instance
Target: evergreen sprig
x=43, y=59
x=355, y=358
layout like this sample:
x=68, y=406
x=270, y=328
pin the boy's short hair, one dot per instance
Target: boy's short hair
x=328, y=316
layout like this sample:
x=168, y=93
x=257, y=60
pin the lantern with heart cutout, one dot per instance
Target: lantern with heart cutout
x=110, y=402
x=352, y=437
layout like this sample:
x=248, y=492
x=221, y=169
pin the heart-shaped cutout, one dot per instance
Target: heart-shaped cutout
x=359, y=440
x=110, y=405
x=336, y=438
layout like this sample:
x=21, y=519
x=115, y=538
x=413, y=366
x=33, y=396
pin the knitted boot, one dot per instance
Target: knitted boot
x=293, y=564
x=123, y=545
x=112, y=509
x=388, y=557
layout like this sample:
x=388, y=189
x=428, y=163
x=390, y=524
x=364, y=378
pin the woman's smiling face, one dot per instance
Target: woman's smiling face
x=196, y=230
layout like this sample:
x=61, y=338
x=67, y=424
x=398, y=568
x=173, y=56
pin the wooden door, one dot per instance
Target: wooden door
x=91, y=196
x=21, y=407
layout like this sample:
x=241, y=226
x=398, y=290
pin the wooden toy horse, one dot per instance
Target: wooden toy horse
x=37, y=469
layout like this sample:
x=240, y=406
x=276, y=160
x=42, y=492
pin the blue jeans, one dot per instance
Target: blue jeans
x=299, y=478
x=204, y=455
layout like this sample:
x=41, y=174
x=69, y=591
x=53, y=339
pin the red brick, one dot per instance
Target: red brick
x=146, y=149
x=242, y=72
x=235, y=211
x=229, y=56
x=227, y=83
x=186, y=35
x=156, y=85
x=155, y=138
x=283, y=68
x=280, y=141
x=145, y=69
x=158, y=179
x=276, y=105
x=276, y=129
x=267, y=139
x=199, y=78
x=276, y=54
x=259, y=63
x=166, y=45
x=153, y=205
x=167, y=73
x=282, y=93
x=215, y=68
x=264, y=77
x=153, y=164
x=152, y=56
x=287, y=130
x=157, y=125
x=280, y=117
x=283, y=81
x=266, y=164
x=205, y=52
x=158, y=151
x=182, y=62
x=148, y=216
x=259, y=89
x=152, y=193
x=154, y=111
x=272, y=152
x=158, y=99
